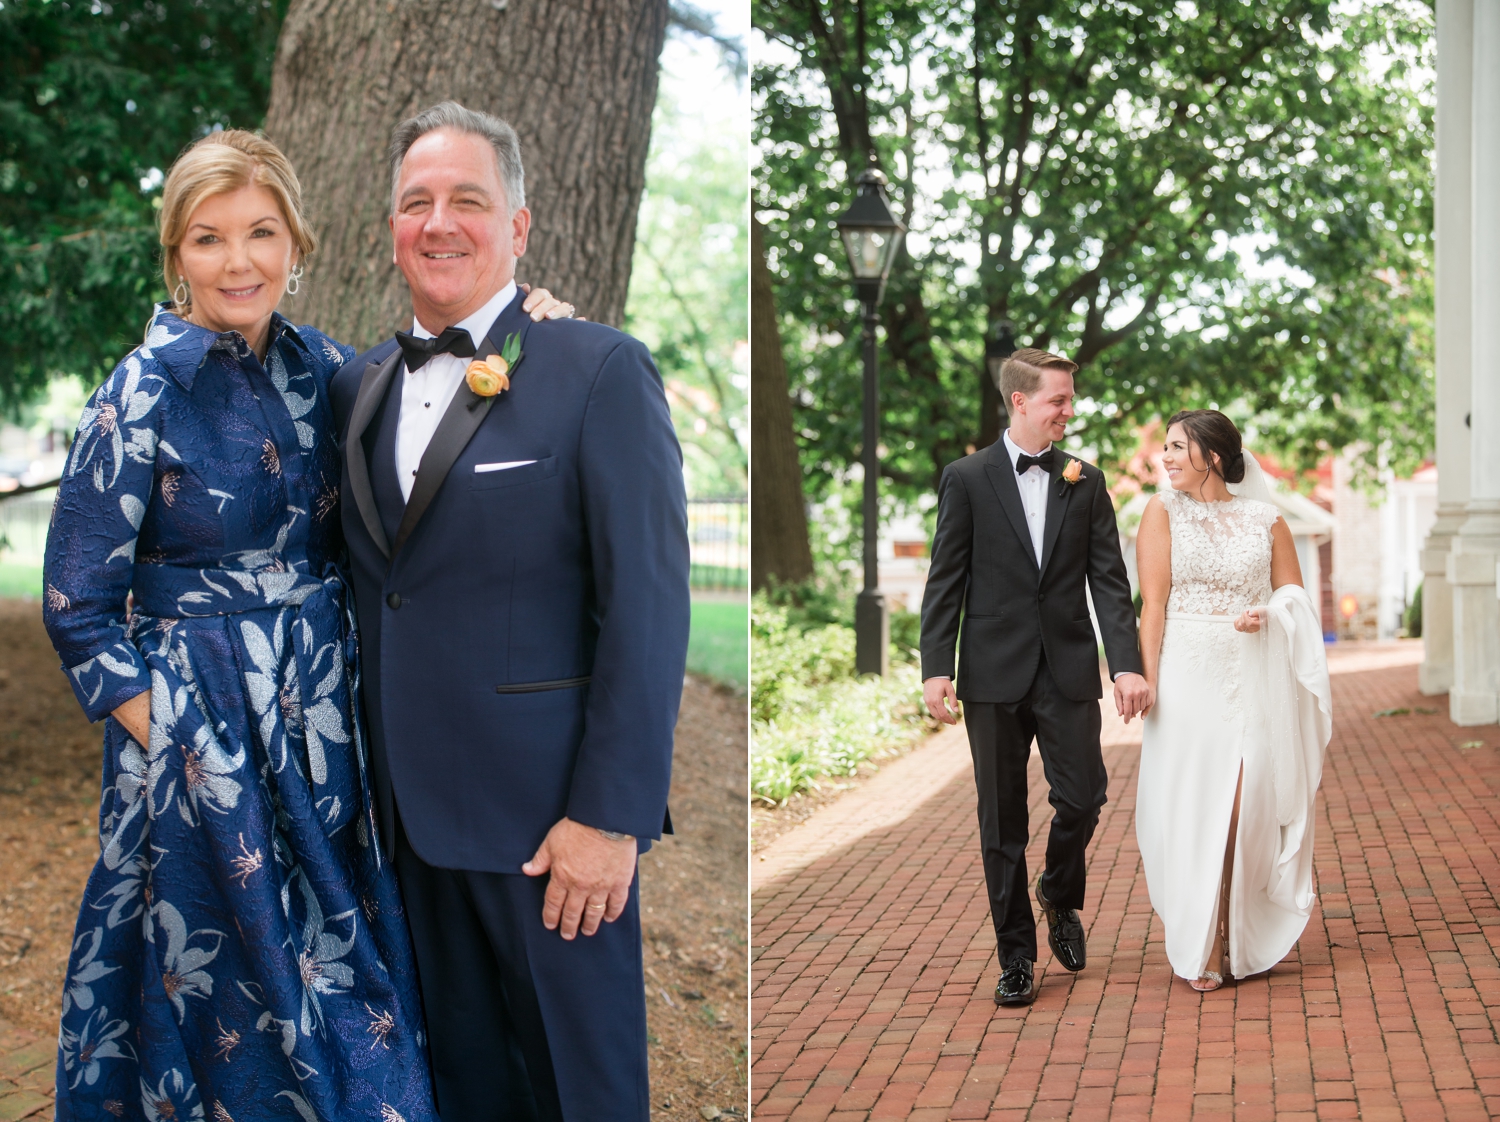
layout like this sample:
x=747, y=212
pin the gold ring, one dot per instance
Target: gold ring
x=596, y=907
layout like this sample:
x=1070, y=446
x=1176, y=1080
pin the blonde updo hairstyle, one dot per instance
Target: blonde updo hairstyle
x=215, y=165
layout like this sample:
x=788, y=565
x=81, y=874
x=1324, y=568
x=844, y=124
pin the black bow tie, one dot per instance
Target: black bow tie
x=1025, y=462
x=453, y=341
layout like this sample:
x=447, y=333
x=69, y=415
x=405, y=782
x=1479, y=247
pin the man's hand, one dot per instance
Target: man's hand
x=591, y=877
x=1134, y=696
x=941, y=699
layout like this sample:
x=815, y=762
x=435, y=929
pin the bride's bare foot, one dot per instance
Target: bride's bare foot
x=1209, y=981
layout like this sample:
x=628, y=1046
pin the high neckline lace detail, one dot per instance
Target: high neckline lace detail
x=1221, y=554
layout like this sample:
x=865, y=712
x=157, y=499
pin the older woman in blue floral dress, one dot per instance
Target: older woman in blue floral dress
x=241, y=952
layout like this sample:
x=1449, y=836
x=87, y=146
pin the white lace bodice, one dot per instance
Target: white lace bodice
x=1221, y=554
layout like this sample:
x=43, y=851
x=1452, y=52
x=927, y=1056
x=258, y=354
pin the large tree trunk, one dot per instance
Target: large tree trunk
x=778, y=518
x=576, y=78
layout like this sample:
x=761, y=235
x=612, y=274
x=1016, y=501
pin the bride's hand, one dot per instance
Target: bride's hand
x=1249, y=621
x=541, y=305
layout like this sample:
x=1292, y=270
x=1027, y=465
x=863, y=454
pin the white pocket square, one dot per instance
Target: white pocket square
x=502, y=467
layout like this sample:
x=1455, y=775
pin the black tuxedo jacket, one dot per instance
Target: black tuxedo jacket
x=984, y=572
x=522, y=631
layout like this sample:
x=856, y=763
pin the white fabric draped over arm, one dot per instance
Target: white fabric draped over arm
x=1291, y=723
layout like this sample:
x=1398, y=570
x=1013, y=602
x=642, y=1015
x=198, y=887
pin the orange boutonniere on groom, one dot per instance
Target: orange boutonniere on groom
x=490, y=376
x=1071, y=474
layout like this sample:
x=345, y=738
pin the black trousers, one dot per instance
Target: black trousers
x=522, y=1025
x=1067, y=735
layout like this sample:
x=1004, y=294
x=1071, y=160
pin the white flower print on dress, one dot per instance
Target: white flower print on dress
x=183, y=973
x=319, y=951
x=98, y=1039
x=86, y=971
x=173, y=1099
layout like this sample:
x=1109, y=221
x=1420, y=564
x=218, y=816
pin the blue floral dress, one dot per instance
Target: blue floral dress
x=241, y=953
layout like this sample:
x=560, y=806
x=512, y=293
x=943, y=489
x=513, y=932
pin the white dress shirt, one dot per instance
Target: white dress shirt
x=1033, y=485
x=426, y=393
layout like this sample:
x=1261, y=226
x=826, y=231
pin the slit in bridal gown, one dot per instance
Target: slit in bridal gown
x=1194, y=749
x=1218, y=946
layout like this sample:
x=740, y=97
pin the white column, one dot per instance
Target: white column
x=1453, y=235
x=1471, y=564
x=1452, y=213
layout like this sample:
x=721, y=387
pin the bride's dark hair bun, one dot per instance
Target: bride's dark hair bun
x=1213, y=432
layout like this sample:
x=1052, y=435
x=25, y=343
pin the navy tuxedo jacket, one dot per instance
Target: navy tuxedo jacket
x=523, y=632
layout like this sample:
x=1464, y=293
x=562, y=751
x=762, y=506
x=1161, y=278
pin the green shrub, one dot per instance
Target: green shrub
x=1413, y=620
x=810, y=716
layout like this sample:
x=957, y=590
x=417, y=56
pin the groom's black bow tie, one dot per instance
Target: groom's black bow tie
x=453, y=341
x=1025, y=462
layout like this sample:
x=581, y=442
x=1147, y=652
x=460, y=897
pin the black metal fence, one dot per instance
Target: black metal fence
x=718, y=533
x=24, y=518
x=719, y=536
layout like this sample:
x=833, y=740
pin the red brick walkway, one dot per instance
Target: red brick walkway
x=27, y=1069
x=874, y=966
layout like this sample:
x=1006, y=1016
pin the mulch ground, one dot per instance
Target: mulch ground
x=874, y=965
x=693, y=886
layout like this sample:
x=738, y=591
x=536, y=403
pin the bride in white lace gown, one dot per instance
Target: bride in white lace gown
x=1233, y=746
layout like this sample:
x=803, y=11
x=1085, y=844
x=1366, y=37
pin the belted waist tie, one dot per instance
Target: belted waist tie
x=177, y=591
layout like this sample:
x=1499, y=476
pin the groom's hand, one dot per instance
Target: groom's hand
x=941, y=699
x=591, y=877
x=1133, y=696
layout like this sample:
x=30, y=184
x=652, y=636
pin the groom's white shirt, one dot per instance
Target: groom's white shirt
x=1033, y=485
x=427, y=392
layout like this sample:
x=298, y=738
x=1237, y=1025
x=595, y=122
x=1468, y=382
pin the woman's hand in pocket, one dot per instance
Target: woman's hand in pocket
x=135, y=716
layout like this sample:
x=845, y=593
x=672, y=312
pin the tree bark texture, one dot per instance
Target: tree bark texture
x=576, y=79
x=778, y=514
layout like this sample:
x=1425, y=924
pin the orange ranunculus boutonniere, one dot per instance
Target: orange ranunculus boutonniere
x=489, y=376
x=1073, y=472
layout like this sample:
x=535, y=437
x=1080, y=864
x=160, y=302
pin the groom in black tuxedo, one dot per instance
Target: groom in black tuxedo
x=1022, y=529
x=518, y=542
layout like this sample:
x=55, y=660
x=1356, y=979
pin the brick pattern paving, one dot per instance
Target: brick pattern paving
x=27, y=1068
x=874, y=966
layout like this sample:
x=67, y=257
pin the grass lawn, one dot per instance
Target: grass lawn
x=20, y=580
x=719, y=644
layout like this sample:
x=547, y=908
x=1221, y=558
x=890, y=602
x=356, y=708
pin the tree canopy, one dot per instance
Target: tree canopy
x=1220, y=203
x=96, y=100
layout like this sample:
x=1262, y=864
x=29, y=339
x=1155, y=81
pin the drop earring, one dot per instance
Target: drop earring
x=294, y=282
x=180, y=293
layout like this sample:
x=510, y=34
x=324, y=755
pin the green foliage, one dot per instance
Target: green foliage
x=809, y=716
x=718, y=644
x=96, y=100
x=1412, y=621
x=689, y=287
x=1214, y=203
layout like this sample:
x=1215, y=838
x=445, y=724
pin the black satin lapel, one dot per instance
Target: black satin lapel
x=1058, y=493
x=465, y=413
x=1003, y=478
x=372, y=389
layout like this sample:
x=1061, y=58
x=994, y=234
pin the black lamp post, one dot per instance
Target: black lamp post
x=871, y=236
x=999, y=346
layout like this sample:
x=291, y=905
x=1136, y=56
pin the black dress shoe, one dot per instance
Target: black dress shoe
x=1017, y=984
x=1064, y=933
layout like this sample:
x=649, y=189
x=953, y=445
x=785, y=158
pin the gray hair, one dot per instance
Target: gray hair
x=452, y=115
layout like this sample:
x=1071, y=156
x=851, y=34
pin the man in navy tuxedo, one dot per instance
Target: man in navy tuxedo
x=520, y=566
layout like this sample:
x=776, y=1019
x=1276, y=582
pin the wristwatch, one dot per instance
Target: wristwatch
x=612, y=836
